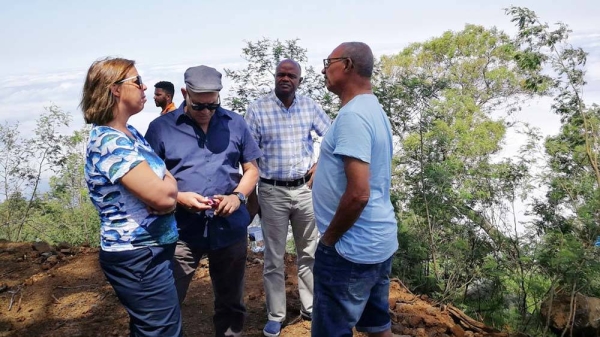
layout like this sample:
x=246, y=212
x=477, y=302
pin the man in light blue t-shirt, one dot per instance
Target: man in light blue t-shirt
x=351, y=200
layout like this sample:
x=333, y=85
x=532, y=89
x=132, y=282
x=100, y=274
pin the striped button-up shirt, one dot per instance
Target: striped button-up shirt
x=284, y=135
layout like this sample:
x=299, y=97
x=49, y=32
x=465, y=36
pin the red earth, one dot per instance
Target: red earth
x=51, y=291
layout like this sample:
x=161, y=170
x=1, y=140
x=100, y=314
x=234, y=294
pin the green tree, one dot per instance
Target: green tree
x=14, y=178
x=68, y=214
x=448, y=99
x=568, y=215
x=26, y=163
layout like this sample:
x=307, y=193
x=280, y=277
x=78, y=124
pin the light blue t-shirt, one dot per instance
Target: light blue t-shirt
x=362, y=131
x=125, y=221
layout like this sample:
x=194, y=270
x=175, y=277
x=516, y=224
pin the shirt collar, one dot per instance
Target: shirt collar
x=279, y=102
x=169, y=108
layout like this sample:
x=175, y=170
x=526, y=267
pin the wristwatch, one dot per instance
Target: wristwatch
x=242, y=197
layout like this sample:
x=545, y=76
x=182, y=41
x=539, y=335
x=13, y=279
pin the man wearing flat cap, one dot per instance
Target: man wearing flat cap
x=203, y=146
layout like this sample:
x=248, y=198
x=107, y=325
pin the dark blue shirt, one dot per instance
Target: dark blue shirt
x=207, y=164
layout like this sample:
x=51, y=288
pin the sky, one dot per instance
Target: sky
x=47, y=46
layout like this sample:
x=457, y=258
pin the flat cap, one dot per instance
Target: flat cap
x=202, y=79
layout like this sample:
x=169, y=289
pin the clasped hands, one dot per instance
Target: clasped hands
x=224, y=205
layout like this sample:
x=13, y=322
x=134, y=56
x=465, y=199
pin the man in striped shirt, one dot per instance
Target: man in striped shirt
x=283, y=123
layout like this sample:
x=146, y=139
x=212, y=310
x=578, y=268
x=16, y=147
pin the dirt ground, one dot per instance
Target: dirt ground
x=61, y=291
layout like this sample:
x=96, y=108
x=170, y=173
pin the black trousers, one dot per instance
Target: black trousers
x=227, y=267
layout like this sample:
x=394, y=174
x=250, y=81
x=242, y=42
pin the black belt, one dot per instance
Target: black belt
x=287, y=183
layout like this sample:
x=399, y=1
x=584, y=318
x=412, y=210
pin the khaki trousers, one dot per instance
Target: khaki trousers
x=281, y=206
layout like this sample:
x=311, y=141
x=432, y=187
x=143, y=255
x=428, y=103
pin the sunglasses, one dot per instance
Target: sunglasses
x=137, y=80
x=202, y=106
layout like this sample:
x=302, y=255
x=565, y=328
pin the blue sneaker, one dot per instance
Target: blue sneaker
x=272, y=329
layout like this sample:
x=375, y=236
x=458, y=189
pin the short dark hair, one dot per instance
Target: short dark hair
x=362, y=57
x=168, y=87
x=292, y=62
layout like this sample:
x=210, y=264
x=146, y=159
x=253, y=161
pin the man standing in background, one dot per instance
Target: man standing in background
x=281, y=123
x=163, y=96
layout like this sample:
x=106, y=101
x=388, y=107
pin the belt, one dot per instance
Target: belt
x=287, y=183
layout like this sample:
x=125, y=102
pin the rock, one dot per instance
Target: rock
x=63, y=245
x=42, y=247
x=587, y=315
x=53, y=259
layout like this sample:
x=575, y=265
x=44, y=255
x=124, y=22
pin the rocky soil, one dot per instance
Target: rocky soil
x=51, y=291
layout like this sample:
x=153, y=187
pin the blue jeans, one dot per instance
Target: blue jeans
x=143, y=281
x=349, y=295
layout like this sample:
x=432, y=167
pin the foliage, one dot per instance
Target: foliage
x=64, y=211
x=440, y=96
x=567, y=216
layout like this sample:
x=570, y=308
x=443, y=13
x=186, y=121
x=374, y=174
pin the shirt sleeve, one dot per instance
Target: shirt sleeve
x=250, y=149
x=154, y=140
x=321, y=121
x=118, y=156
x=252, y=122
x=353, y=137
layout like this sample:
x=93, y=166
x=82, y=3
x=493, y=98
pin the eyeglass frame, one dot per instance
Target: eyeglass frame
x=138, y=80
x=202, y=106
x=328, y=61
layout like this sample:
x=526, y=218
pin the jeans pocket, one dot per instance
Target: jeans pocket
x=134, y=262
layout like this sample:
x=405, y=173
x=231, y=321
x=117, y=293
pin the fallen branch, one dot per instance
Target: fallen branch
x=397, y=280
x=415, y=297
x=12, y=298
x=469, y=323
x=55, y=299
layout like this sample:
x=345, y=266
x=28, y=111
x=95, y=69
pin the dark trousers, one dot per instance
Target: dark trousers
x=143, y=281
x=227, y=267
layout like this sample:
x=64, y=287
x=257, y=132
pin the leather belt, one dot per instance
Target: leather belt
x=287, y=183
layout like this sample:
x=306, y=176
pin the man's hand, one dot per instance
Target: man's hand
x=227, y=204
x=193, y=202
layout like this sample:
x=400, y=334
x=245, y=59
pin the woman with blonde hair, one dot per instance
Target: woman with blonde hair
x=135, y=196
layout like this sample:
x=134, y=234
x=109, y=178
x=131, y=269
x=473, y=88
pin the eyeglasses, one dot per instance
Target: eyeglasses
x=202, y=106
x=138, y=80
x=329, y=61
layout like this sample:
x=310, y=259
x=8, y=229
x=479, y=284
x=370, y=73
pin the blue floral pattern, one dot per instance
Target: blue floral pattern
x=124, y=219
